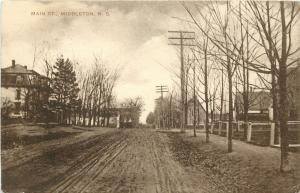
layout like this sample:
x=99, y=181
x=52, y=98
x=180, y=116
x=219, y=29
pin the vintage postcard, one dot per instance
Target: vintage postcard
x=150, y=96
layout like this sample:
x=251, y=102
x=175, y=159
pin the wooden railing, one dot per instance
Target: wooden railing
x=261, y=133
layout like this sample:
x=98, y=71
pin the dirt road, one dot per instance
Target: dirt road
x=98, y=160
x=118, y=161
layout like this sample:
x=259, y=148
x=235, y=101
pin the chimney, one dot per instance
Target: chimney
x=13, y=63
x=25, y=67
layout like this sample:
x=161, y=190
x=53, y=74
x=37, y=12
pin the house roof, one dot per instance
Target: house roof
x=258, y=100
x=293, y=79
x=17, y=69
x=293, y=82
x=191, y=102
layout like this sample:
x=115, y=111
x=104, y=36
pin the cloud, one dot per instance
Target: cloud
x=143, y=72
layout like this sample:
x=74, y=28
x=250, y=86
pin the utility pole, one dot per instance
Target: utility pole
x=171, y=125
x=157, y=120
x=183, y=35
x=187, y=69
x=161, y=89
x=222, y=95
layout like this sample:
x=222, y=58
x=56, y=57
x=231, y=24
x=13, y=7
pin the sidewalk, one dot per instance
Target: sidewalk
x=248, y=169
x=267, y=155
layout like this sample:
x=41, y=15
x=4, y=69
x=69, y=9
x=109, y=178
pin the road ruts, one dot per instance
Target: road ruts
x=138, y=162
x=85, y=170
x=123, y=161
x=21, y=155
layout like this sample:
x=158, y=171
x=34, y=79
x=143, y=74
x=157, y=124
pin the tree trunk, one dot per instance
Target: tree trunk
x=222, y=97
x=186, y=98
x=83, y=116
x=90, y=117
x=283, y=112
x=273, y=75
x=108, y=118
x=182, y=77
x=230, y=75
x=230, y=107
x=206, y=95
x=98, y=116
x=75, y=118
x=94, y=116
x=69, y=116
x=171, y=113
x=194, y=93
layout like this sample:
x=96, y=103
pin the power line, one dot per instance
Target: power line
x=161, y=89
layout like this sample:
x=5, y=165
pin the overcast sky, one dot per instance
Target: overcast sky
x=132, y=35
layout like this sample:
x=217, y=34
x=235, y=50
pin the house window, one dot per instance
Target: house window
x=11, y=80
x=3, y=79
x=18, y=94
x=19, y=80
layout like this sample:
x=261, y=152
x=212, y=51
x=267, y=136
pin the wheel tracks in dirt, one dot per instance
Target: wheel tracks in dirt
x=81, y=159
x=34, y=151
x=162, y=185
x=126, y=169
x=108, y=161
x=89, y=162
x=72, y=158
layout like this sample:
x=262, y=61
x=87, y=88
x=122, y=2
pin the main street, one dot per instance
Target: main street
x=97, y=160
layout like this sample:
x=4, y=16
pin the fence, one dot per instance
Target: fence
x=262, y=133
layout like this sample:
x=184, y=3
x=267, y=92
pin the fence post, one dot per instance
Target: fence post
x=249, y=132
x=227, y=129
x=279, y=136
x=272, y=134
x=220, y=127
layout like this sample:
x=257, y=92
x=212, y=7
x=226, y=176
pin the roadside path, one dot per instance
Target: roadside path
x=268, y=156
x=17, y=156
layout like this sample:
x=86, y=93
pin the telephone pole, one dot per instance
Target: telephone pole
x=157, y=120
x=183, y=37
x=194, y=93
x=161, y=89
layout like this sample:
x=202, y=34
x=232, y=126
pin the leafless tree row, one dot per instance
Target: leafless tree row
x=242, y=40
x=96, y=95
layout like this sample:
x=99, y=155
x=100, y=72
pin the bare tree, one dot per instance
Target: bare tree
x=96, y=93
x=204, y=71
x=271, y=30
x=135, y=106
x=275, y=26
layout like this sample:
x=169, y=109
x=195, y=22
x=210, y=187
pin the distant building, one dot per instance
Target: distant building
x=27, y=90
x=120, y=117
x=129, y=117
x=199, y=113
x=260, y=103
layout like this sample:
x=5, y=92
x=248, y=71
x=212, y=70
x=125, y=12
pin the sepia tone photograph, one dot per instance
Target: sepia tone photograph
x=150, y=96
